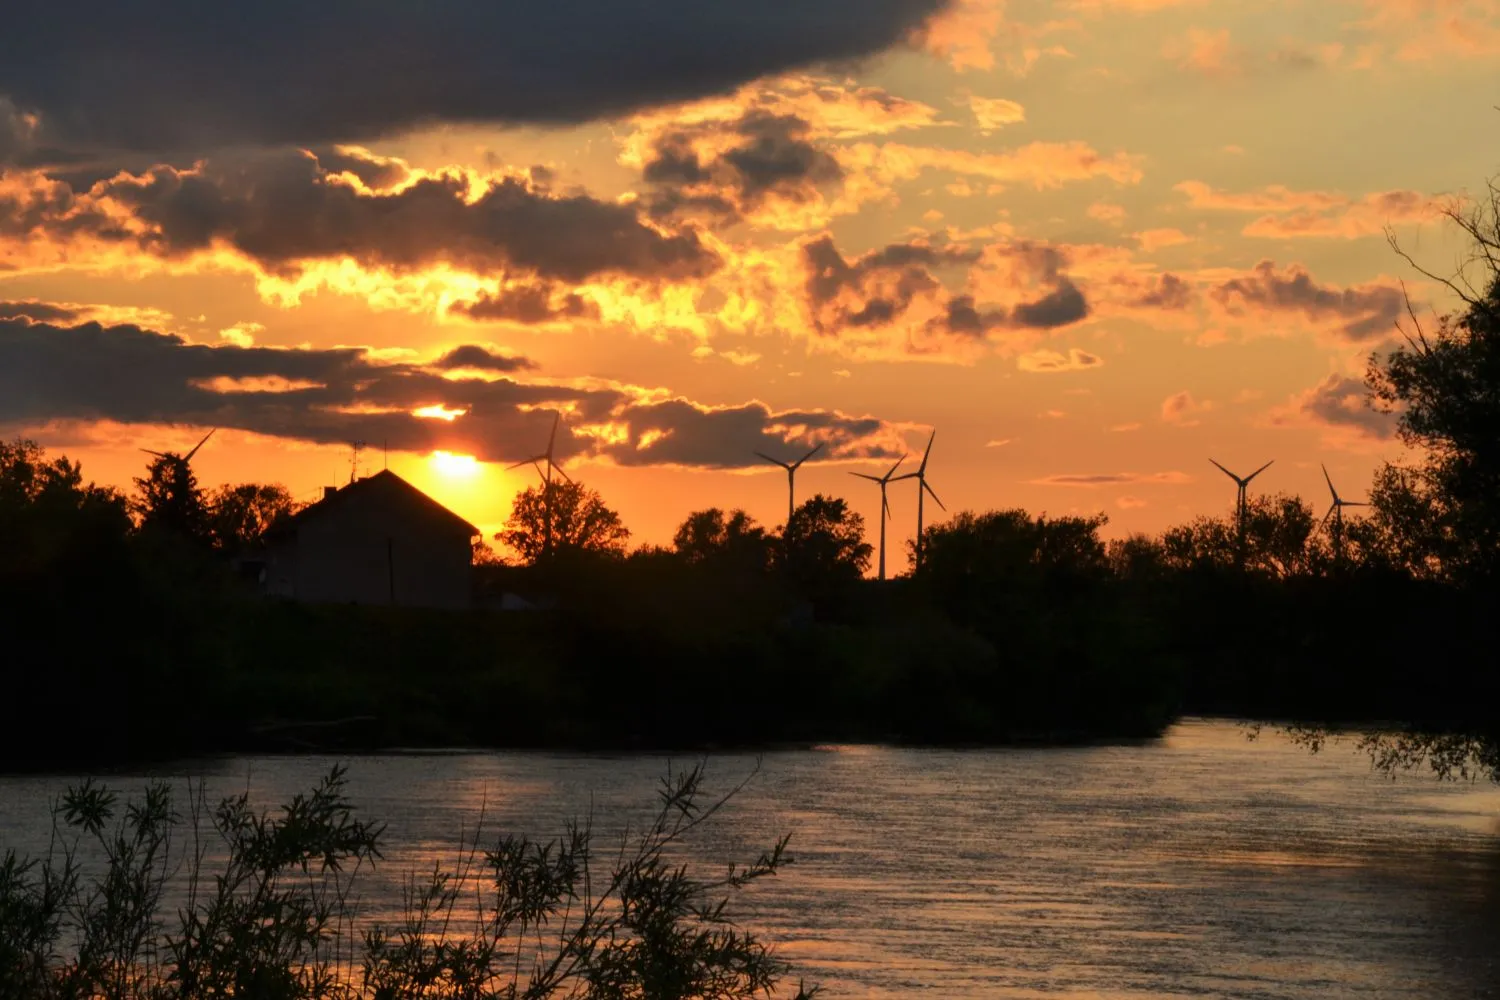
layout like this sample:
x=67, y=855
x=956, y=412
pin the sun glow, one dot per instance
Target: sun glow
x=438, y=411
x=453, y=466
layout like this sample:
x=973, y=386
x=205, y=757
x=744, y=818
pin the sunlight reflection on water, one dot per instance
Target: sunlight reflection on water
x=1203, y=864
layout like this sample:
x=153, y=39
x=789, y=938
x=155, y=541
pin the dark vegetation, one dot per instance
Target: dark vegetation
x=147, y=902
x=130, y=633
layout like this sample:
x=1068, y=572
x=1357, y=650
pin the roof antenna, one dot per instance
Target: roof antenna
x=355, y=447
x=385, y=454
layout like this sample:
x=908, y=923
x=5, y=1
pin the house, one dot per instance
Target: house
x=379, y=540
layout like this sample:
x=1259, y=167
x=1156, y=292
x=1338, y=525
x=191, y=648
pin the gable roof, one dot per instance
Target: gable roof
x=384, y=486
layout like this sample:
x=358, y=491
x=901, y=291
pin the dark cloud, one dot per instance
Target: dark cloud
x=679, y=432
x=283, y=210
x=881, y=285
x=873, y=289
x=1169, y=292
x=1362, y=313
x=132, y=375
x=965, y=318
x=40, y=312
x=528, y=304
x=772, y=156
x=482, y=359
x=1090, y=480
x=1344, y=402
x=1063, y=305
x=163, y=75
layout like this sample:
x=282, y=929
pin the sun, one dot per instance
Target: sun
x=454, y=466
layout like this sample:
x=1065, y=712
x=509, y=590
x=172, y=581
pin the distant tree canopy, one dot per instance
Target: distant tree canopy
x=1002, y=544
x=1279, y=539
x=567, y=516
x=239, y=515
x=731, y=541
x=823, y=545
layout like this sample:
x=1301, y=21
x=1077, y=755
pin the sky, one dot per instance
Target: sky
x=1088, y=243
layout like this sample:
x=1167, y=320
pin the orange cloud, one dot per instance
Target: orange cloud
x=1152, y=240
x=1291, y=214
x=993, y=113
x=1052, y=361
x=1183, y=409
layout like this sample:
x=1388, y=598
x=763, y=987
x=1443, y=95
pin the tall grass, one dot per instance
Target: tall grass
x=231, y=902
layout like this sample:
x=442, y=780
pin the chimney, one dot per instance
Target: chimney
x=329, y=491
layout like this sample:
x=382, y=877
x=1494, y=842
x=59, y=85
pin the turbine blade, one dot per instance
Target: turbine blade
x=773, y=461
x=933, y=495
x=885, y=505
x=927, y=451
x=816, y=448
x=1353, y=503
x=158, y=454
x=866, y=475
x=189, y=456
x=1258, y=471
x=1326, y=516
x=1226, y=471
x=552, y=438
x=1329, y=480
x=888, y=475
x=561, y=472
x=909, y=475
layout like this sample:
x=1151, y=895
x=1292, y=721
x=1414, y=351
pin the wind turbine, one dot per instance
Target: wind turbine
x=1336, y=511
x=791, y=477
x=885, y=505
x=922, y=487
x=552, y=466
x=181, y=461
x=1242, y=500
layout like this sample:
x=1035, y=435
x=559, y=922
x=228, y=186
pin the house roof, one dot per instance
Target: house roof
x=383, y=487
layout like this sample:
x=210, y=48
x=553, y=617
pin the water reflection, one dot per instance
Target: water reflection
x=1199, y=865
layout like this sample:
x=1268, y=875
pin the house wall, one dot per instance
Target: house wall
x=373, y=556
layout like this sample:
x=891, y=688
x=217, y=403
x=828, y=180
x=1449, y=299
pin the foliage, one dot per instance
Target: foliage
x=278, y=921
x=563, y=519
x=169, y=500
x=730, y=542
x=823, y=546
x=239, y=515
x=1279, y=539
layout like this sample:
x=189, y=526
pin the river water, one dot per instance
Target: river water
x=1204, y=864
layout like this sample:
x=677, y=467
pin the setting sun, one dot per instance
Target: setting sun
x=453, y=466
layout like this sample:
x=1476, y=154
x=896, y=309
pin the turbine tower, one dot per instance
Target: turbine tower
x=791, y=477
x=1336, y=511
x=885, y=505
x=922, y=488
x=552, y=466
x=1242, y=501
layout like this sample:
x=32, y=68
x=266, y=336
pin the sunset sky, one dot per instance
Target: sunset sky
x=1091, y=242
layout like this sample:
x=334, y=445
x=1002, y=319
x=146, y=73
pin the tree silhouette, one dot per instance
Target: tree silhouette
x=1441, y=514
x=823, y=544
x=240, y=515
x=1278, y=539
x=581, y=523
x=169, y=500
x=733, y=541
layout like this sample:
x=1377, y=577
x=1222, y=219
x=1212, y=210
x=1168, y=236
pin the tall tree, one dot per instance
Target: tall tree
x=580, y=523
x=1441, y=512
x=823, y=544
x=169, y=500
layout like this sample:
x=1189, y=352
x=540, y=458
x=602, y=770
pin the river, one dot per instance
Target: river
x=1204, y=864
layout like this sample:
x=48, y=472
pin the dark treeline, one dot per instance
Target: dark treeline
x=130, y=632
